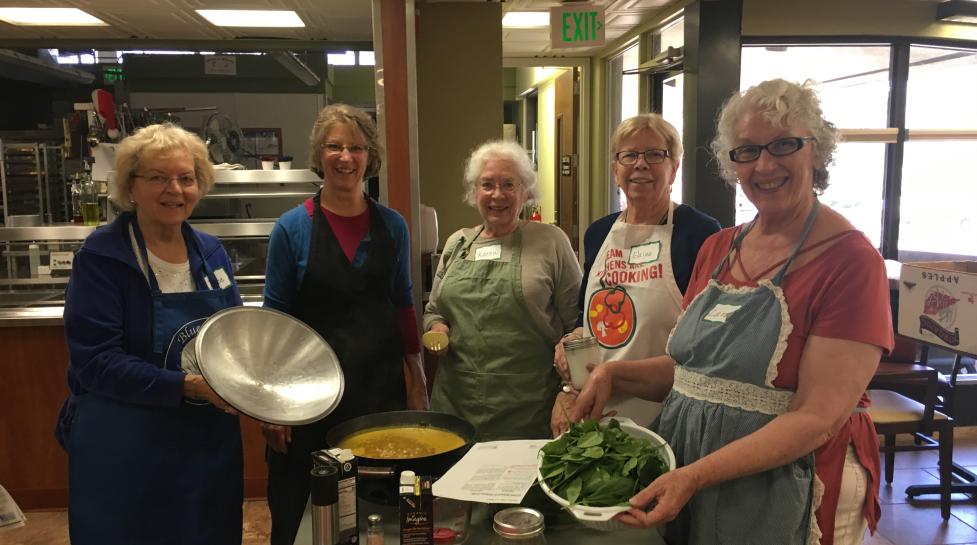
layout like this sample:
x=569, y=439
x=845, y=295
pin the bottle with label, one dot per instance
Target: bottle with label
x=76, y=198
x=518, y=525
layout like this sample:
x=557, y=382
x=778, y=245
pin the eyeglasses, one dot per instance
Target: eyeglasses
x=507, y=186
x=333, y=148
x=652, y=156
x=778, y=148
x=185, y=180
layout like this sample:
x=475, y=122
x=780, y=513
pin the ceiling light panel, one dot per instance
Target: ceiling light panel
x=526, y=19
x=252, y=18
x=49, y=17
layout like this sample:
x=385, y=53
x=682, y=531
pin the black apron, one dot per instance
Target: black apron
x=155, y=475
x=352, y=309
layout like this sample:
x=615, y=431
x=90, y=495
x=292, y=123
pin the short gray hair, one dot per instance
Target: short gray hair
x=354, y=118
x=506, y=151
x=783, y=104
x=151, y=141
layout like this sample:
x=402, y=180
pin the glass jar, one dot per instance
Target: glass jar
x=518, y=525
x=579, y=353
x=90, y=212
x=374, y=530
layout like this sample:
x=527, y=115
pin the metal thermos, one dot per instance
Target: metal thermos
x=325, y=509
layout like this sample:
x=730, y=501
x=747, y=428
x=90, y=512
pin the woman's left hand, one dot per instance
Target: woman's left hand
x=667, y=494
x=196, y=387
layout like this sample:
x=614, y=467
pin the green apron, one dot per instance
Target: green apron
x=498, y=372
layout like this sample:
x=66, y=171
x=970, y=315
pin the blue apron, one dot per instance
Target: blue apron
x=154, y=475
x=727, y=346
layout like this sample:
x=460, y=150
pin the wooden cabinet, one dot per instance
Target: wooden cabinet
x=33, y=467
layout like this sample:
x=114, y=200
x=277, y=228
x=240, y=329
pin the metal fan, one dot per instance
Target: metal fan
x=224, y=139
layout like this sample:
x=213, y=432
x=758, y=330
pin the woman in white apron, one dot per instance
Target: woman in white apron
x=637, y=262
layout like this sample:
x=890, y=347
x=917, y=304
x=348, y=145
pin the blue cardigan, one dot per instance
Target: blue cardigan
x=108, y=320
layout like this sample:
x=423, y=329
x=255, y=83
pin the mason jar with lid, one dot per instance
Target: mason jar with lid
x=518, y=525
x=579, y=353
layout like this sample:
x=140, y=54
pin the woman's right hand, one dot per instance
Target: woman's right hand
x=595, y=393
x=443, y=328
x=195, y=387
x=277, y=437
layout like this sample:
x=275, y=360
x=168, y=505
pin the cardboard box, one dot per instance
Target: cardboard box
x=938, y=303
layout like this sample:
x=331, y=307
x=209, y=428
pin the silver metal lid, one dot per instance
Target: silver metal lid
x=518, y=522
x=269, y=365
x=576, y=344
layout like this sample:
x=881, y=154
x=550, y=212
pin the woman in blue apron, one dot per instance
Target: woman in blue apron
x=340, y=262
x=785, y=319
x=643, y=254
x=504, y=293
x=153, y=455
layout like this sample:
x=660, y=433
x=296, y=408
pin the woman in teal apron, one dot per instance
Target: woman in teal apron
x=152, y=455
x=769, y=362
x=504, y=293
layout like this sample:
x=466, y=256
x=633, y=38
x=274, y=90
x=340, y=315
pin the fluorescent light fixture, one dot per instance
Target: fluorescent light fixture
x=49, y=17
x=526, y=19
x=367, y=58
x=347, y=58
x=957, y=11
x=251, y=18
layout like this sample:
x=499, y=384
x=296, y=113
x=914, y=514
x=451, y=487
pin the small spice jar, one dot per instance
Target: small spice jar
x=520, y=525
x=579, y=353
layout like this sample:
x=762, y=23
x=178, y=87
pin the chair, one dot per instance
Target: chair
x=894, y=413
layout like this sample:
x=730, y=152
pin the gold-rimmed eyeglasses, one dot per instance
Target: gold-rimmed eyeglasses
x=333, y=148
x=185, y=180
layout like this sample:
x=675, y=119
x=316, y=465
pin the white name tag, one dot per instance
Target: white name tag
x=222, y=280
x=719, y=313
x=492, y=252
x=645, y=253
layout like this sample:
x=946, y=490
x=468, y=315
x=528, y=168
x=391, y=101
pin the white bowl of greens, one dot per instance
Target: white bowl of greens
x=594, y=469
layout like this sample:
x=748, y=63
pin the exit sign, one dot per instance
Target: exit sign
x=576, y=25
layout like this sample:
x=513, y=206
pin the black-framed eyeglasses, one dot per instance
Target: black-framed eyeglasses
x=778, y=148
x=652, y=156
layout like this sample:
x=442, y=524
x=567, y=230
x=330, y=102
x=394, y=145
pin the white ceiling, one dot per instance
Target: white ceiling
x=341, y=21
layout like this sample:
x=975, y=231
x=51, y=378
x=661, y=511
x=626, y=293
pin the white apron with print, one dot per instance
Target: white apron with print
x=632, y=302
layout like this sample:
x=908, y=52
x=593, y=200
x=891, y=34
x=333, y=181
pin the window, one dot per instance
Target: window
x=937, y=215
x=854, y=92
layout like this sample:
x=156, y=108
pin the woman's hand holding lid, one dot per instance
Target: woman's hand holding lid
x=195, y=387
x=277, y=437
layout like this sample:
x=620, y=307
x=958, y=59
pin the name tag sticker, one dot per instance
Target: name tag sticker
x=222, y=280
x=645, y=253
x=719, y=313
x=492, y=252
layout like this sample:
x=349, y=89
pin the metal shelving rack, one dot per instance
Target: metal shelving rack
x=33, y=181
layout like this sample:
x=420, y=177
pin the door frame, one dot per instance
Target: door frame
x=583, y=64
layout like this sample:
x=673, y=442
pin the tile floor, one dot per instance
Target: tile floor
x=903, y=523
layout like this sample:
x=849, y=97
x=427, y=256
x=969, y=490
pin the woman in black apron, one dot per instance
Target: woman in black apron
x=340, y=263
x=153, y=456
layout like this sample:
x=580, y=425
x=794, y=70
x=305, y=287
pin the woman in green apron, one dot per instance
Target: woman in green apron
x=505, y=291
x=785, y=319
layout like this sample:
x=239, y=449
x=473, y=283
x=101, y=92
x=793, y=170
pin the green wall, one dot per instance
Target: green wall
x=459, y=100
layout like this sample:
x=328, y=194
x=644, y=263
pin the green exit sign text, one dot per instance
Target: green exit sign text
x=576, y=25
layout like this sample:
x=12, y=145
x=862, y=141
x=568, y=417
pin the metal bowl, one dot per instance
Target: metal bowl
x=269, y=365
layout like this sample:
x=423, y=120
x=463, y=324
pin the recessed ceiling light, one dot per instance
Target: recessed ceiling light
x=526, y=19
x=49, y=17
x=251, y=18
